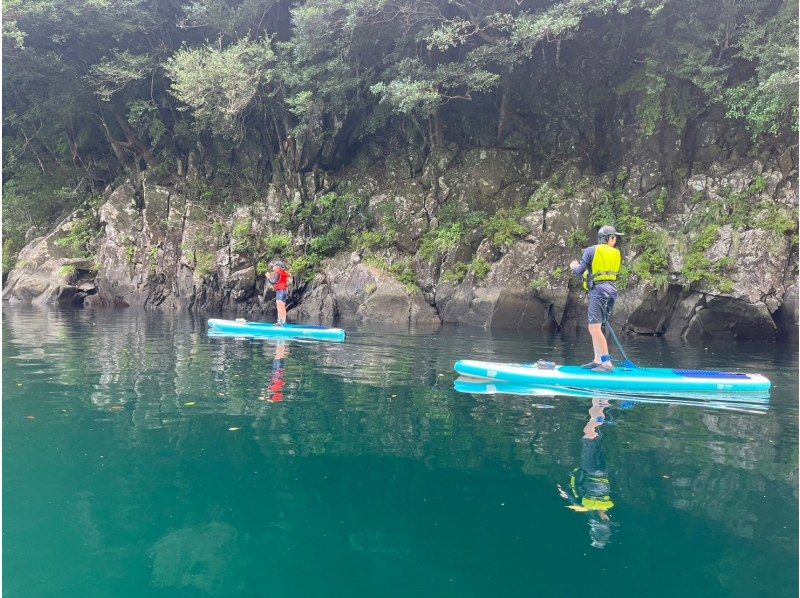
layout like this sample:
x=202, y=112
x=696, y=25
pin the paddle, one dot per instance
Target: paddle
x=627, y=363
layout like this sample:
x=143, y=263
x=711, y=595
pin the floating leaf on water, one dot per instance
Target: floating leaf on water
x=233, y=429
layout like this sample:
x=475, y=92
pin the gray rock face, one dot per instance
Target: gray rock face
x=169, y=253
x=655, y=310
x=787, y=317
x=727, y=316
x=761, y=260
x=318, y=305
x=355, y=291
x=504, y=299
x=47, y=273
x=157, y=249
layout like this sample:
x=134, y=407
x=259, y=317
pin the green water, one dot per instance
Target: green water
x=356, y=470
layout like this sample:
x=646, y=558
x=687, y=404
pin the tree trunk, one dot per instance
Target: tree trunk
x=134, y=142
x=77, y=160
x=438, y=130
x=505, y=105
x=116, y=146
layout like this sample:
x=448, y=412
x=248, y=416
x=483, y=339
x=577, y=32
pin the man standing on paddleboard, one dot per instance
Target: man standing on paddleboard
x=599, y=267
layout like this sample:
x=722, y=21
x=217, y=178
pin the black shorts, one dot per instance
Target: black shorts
x=600, y=308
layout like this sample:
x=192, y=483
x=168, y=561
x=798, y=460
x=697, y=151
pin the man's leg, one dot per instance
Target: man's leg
x=598, y=314
x=599, y=342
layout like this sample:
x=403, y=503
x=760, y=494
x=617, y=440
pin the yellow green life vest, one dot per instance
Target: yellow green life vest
x=605, y=265
x=593, y=504
x=597, y=503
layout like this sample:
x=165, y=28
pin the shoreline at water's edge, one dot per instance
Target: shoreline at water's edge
x=378, y=326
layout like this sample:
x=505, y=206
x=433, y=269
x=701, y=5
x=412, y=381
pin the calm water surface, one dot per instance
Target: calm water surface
x=142, y=458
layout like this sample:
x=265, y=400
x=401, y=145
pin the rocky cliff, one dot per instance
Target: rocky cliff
x=479, y=237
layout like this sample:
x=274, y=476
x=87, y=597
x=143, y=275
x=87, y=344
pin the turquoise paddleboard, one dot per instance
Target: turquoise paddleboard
x=622, y=379
x=269, y=330
x=755, y=401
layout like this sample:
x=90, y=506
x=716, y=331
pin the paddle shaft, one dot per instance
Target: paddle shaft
x=628, y=362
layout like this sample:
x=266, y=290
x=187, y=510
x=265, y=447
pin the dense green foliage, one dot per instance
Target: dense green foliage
x=441, y=240
x=697, y=268
x=229, y=95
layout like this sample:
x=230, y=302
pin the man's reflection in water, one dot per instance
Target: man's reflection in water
x=589, y=488
x=274, y=392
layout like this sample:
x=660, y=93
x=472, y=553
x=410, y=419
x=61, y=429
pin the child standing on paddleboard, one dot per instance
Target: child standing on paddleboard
x=280, y=278
x=599, y=267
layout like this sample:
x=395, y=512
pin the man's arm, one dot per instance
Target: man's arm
x=578, y=268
